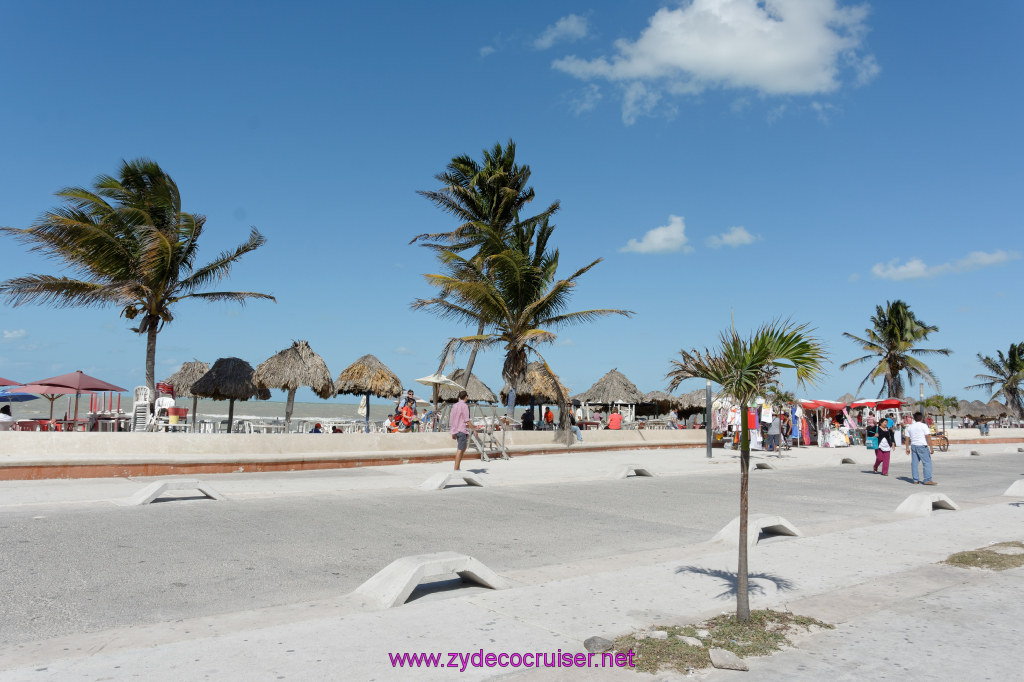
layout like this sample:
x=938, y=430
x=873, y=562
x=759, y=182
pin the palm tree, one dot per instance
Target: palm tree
x=1006, y=377
x=745, y=368
x=487, y=199
x=890, y=343
x=128, y=244
x=515, y=294
x=943, y=405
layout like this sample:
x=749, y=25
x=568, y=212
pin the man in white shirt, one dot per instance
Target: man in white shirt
x=919, y=447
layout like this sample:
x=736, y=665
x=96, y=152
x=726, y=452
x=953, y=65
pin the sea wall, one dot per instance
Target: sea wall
x=30, y=454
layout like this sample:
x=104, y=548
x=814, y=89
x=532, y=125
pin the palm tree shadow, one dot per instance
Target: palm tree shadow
x=729, y=578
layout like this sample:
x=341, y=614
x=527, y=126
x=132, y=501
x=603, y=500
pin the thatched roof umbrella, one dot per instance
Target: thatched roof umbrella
x=478, y=391
x=229, y=379
x=659, y=399
x=996, y=409
x=368, y=376
x=535, y=386
x=612, y=388
x=294, y=367
x=846, y=398
x=977, y=409
x=693, y=400
x=184, y=378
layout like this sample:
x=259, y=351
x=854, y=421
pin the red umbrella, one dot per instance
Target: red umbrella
x=49, y=392
x=8, y=382
x=80, y=382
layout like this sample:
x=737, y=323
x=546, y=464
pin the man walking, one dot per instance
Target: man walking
x=919, y=447
x=459, y=426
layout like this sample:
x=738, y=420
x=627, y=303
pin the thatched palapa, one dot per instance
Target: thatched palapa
x=536, y=385
x=294, y=367
x=182, y=381
x=612, y=388
x=477, y=390
x=368, y=376
x=230, y=379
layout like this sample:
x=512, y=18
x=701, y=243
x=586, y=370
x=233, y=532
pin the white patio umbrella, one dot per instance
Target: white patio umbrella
x=437, y=381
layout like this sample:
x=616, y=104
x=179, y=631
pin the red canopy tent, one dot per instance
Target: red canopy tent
x=79, y=382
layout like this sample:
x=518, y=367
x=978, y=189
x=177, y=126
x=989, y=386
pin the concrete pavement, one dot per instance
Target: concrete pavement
x=859, y=565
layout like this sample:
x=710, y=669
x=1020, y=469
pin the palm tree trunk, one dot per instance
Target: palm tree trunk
x=289, y=406
x=472, y=357
x=151, y=363
x=742, y=586
x=231, y=413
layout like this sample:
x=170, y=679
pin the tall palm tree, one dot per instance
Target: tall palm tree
x=516, y=295
x=1006, y=377
x=487, y=199
x=891, y=344
x=128, y=244
x=745, y=368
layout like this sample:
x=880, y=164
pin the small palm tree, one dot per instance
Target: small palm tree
x=943, y=405
x=1006, y=377
x=487, y=198
x=891, y=343
x=131, y=246
x=744, y=369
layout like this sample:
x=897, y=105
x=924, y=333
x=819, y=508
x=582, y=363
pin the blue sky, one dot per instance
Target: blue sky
x=729, y=160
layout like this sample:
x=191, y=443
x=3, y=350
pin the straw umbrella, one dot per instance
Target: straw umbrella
x=611, y=389
x=182, y=381
x=229, y=379
x=294, y=367
x=368, y=376
x=477, y=390
x=535, y=386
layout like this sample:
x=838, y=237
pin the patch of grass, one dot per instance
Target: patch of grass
x=990, y=558
x=765, y=633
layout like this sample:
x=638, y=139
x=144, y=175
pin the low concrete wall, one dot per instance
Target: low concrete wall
x=29, y=455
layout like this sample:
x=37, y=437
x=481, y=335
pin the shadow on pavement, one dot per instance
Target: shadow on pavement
x=729, y=578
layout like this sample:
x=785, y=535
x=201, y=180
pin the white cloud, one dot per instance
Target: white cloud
x=586, y=100
x=917, y=268
x=570, y=28
x=15, y=334
x=487, y=50
x=824, y=110
x=402, y=350
x=735, y=236
x=773, y=47
x=665, y=239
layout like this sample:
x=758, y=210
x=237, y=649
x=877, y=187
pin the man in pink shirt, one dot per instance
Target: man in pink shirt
x=459, y=426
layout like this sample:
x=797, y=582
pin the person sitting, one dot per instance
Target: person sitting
x=615, y=420
x=406, y=416
x=335, y=429
x=316, y=428
x=574, y=428
x=6, y=420
x=673, y=419
x=528, y=420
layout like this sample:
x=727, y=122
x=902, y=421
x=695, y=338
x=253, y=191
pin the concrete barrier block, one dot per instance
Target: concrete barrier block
x=155, y=490
x=1015, y=490
x=440, y=481
x=627, y=470
x=756, y=524
x=922, y=504
x=763, y=465
x=392, y=585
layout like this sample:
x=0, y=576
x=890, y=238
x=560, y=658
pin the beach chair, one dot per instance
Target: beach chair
x=141, y=414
